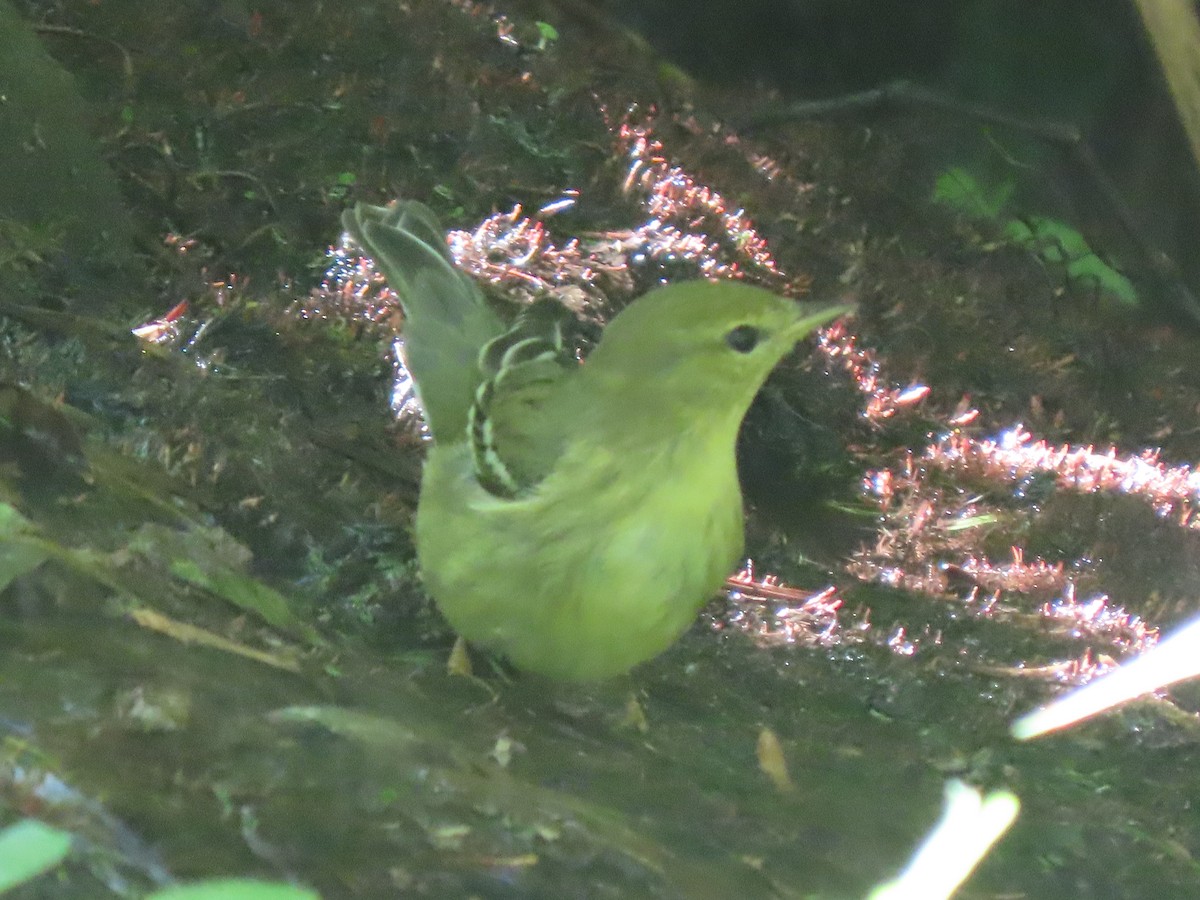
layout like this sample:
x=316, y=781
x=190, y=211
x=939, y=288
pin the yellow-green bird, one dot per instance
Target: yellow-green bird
x=576, y=517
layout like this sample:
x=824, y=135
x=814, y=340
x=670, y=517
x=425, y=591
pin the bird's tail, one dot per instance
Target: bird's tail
x=447, y=319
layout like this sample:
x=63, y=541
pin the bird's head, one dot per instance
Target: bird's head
x=701, y=346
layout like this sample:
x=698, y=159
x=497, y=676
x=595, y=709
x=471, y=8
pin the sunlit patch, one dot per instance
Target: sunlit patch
x=971, y=823
x=179, y=328
x=352, y=290
x=164, y=330
x=1031, y=577
x=186, y=326
x=1096, y=616
x=404, y=402
x=689, y=225
x=928, y=542
x=932, y=525
x=562, y=204
x=1173, y=659
x=1013, y=455
x=912, y=394
x=518, y=255
x=690, y=220
x=775, y=614
x=1079, y=670
x=839, y=346
x=899, y=643
x=1090, y=618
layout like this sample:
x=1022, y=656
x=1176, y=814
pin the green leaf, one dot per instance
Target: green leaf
x=211, y=559
x=235, y=889
x=1052, y=240
x=12, y=522
x=1060, y=244
x=376, y=731
x=18, y=554
x=958, y=188
x=28, y=849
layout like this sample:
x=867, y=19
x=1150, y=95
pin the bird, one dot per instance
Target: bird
x=574, y=517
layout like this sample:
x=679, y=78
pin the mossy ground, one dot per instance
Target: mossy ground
x=213, y=630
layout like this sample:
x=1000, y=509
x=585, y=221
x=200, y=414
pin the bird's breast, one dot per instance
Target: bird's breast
x=600, y=568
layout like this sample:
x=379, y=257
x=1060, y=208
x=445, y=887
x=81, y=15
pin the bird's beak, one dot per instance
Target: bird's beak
x=812, y=321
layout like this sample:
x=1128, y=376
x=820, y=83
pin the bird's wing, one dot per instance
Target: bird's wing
x=518, y=421
x=447, y=319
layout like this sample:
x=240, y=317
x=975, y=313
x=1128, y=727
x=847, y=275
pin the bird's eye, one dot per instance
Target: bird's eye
x=744, y=338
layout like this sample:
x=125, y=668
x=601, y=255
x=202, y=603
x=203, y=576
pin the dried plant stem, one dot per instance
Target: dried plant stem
x=1174, y=31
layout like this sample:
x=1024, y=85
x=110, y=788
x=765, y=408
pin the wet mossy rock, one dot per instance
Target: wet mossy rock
x=54, y=180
